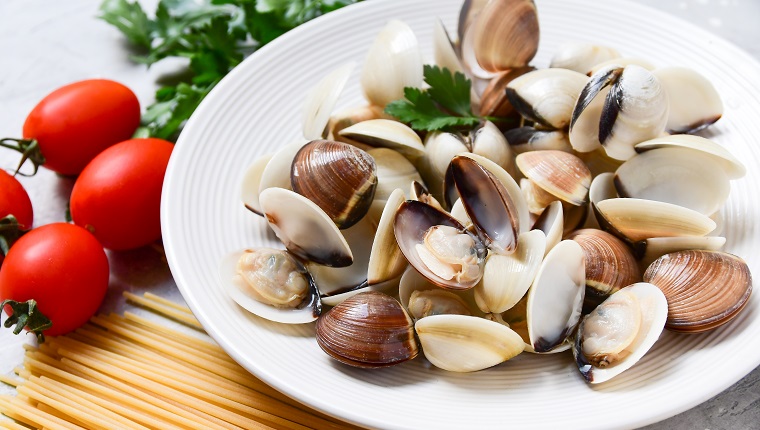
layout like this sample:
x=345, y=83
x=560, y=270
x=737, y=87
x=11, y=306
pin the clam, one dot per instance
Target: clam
x=556, y=297
x=602, y=188
x=731, y=165
x=494, y=101
x=546, y=96
x=386, y=261
x=413, y=283
x=506, y=278
x=444, y=51
x=338, y=177
x=321, y=101
x=461, y=343
x=272, y=284
x=525, y=139
x=620, y=62
x=438, y=246
x=418, y=192
x=369, y=330
x=675, y=175
x=650, y=249
x=249, y=190
x=704, y=289
x=504, y=35
x=619, y=332
x=393, y=171
x=581, y=57
x=536, y=198
x=599, y=162
x=551, y=222
x=386, y=133
x=634, y=110
x=610, y=265
x=304, y=228
x=394, y=61
x=460, y=214
x=350, y=116
x=694, y=101
x=637, y=219
x=276, y=174
x=559, y=173
x=425, y=303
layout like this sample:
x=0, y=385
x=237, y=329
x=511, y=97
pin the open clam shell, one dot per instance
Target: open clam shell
x=581, y=57
x=494, y=101
x=551, y=222
x=506, y=278
x=461, y=343
x=610, y=265
x=412, y=283
x=556, y=297
x=619, y=332
x=721, y=156
x=505, y=34
x=694, y=102
x=347, y=117
x=525, y=139
x=276, y=174
x=559, y=173
x=304, y=228
x=393, y=171
x=394, y=61
x=638, y=219
x=368, y=330
x=704, y=289
x=546, y=96
x=386, y=133
x=386, y=261
x=655, y=247
x=338, y=177
x=249, y=189
x=280, y=277
x=444, y=51
x=457, y=255
x=321, y=101
x=674, y=175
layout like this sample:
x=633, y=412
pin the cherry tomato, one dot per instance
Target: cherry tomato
x=76, y=122
x=118, y=195
x=15, y=201
x=61, y=266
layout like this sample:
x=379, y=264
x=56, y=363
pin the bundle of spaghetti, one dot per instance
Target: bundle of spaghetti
x=128, y=372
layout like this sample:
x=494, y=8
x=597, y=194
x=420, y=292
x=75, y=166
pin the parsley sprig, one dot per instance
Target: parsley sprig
x=213, y=35
x=444, y=106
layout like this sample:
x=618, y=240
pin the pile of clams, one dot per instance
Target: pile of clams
x=591, y=227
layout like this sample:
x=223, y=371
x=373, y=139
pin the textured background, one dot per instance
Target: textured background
x=46, y=43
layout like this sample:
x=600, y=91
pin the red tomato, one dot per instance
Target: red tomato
x=15, y=201
x=76, y=122
x=61, y=266
x=118, y=195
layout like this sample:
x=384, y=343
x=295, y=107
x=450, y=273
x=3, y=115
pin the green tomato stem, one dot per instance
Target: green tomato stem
x=25, y=314
x=29, y=149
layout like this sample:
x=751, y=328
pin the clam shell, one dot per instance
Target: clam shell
x=599, y=162
x=620, y=62
x=551, y=222
x=386, y=133
x=412, y=221
x=417, y=191
x=412, y=281
x=239, y=291
x=505, y=34
x=603, y=188
x=249, y=188
x=610, y=265
x=368, y=330
x=487, y=203
x=638, y=219
x=489, y=142
x=440, y=148
x=546, y=96
x=394, y=61
x=461, y=343
x=559, y=173
x=276, y=174
x=653, y=248
x=494, y=101
x=338, y=177
x=720, y=155
x=321, y=101
x=348, y=117
x=704, y=289
x=679, y=176
x=584, y=122
x=653, y=314
x=444, y=52
x=536, y=197
x=556, y=297
x=581, y=57
x=525, y=139
x=506, y=278
x=393, y=171
x=694, y=103
x=304, y=228
x=386, y=261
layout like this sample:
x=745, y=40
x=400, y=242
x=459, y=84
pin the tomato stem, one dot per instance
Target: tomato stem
x=29, y=149
x=25, y=314
x=10, y=231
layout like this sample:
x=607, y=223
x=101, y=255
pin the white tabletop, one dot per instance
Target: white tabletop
x=45, y=44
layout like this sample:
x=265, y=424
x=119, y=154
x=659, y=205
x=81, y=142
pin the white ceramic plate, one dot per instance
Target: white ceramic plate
x=256, y=110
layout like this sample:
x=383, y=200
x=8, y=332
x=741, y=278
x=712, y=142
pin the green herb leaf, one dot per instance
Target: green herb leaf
x=130, y=19
x=443, y=106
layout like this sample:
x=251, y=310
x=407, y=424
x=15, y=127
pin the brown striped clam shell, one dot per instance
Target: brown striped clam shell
x=370, y=330
x=561, y=174
x=339, y=178
x=704, y=289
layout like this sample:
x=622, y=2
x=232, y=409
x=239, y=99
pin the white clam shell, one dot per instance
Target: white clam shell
x=552, y=223
x=620, y=62
x=321, y=100
x=386, y=261
x=675, y=175
x=394, y=61
x=556, y=297
x=393, y=171
x=506, y=278
x=547, y=96
x=721, y=156
x=386, y=133
x=655, y=247
x=276, y=174
x=249, y=187
x=461, y=343
x=443, y=49
x=694, y=101
x=581, y=57
x=458, y=212
x=654, y=312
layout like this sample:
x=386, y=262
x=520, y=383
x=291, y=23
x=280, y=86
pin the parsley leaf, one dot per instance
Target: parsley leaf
x=213, y=35
x=443, y=106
